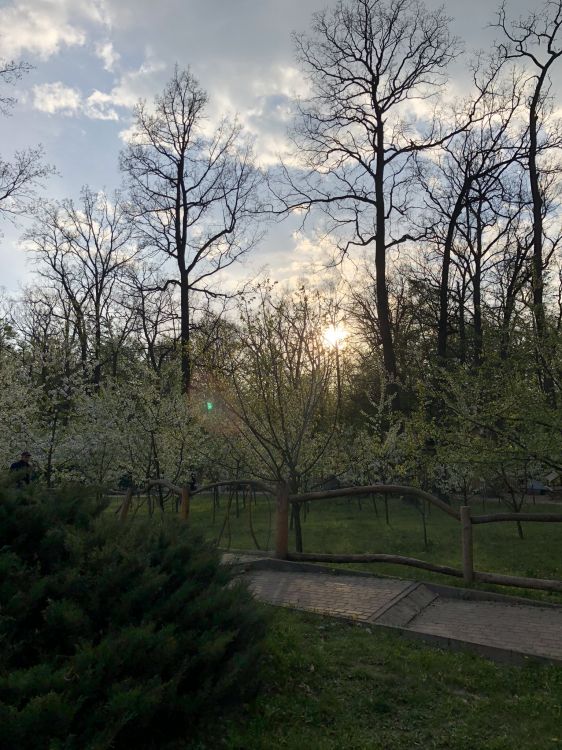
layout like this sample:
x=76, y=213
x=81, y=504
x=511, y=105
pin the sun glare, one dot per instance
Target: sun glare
x=335, y=335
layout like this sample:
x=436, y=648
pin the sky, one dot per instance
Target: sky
x=93, y=60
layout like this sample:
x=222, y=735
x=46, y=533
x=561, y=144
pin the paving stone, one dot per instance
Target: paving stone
x=346, y=596
x=526, y=629
x=409, y=606
x=238, y=558
x=415, y=608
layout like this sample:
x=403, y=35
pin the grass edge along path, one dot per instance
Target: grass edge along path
x=343, y=526
x=329, y=685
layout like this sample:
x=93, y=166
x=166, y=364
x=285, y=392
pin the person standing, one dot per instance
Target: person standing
x=22, y=468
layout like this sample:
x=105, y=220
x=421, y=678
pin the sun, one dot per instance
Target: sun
x=334, y=335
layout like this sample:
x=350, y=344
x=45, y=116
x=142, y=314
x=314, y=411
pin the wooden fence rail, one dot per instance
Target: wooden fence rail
x=542, y=517
x=468, y=573
x=376, y=489
x=284, y=500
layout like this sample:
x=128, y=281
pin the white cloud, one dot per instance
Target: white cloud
x=310, y=257
x=107, y=54
x=98, y=11
x=98, y=106
x=282, y=79
x=57, y=98
x=44, y=27
x=38, y=27
x=137, y=84
x=127, y=135
x=133, y=85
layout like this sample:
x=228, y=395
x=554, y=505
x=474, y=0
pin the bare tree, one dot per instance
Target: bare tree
x=369, y=63
x=155, y=311
x=35, y=319
x=406, y=331
x=82, y=251
x=193, y=196
x=19, y=177
x=10, y=72
x=471, y=170
x=536, y=42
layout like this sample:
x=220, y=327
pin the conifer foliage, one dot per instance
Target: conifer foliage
x=114, y=636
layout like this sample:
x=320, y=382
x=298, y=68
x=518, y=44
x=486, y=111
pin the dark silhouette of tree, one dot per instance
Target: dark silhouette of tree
x=468, y=191
x=370, y=63
x=20, y=177
x=193, y=195
x=536, y=41
x=83, y=250
x=10, y=72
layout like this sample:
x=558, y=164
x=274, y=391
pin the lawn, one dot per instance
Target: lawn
x=327, y=685
x=353, y=526
x=350, y=526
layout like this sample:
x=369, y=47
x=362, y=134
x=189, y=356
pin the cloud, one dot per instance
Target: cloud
x=44, y=27
x=39, y=27
x=141, y=83
x=284, y=80
x=107, y=54
x=310, y=257
x=99, y=106
x=57, y=98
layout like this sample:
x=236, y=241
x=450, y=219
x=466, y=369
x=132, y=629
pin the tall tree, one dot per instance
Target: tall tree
x=155, y=312
x=472, y=165
x=367, y=62
x=83, y=250
x=536, y=41
x=277, y=387
x=194, y=195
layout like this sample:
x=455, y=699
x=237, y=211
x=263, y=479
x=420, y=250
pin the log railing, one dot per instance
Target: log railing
x=284, y=500
x=467, y=573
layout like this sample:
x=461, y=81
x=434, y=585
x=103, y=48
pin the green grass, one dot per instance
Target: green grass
x=332, y=686
x=347, y=526
x=350, y=526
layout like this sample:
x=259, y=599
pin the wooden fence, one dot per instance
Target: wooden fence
x=284, y=500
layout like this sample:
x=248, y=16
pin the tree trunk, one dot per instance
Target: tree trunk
x=296, y=517
x=383, y=310
x=185, y=335
x=505, y=333
x=477, y=295
x=97, y=352
x=443, y=324
x=461, y=291
x=547, y=383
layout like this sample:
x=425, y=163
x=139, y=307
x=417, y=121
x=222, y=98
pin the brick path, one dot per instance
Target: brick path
x=502, y=629
x=530, y=630
x=342, y=596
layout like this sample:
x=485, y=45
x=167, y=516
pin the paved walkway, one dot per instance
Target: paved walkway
x=504, y=628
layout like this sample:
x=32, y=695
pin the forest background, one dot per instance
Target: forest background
x=428, y=353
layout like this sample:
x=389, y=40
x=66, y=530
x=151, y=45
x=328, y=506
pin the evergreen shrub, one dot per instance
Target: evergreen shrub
x=114, y=636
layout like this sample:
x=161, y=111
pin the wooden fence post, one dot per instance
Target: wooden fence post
x=282, y=522
x=467, y=552
x=126, y=504
x=184, y=507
